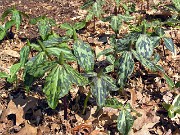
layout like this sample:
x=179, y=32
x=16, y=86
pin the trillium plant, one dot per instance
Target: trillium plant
x=55, y=54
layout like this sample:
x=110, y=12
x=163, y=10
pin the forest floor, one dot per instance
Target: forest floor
x=24, y=113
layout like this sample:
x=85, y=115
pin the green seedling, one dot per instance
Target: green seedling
x=174, y=108
x=16, y=19
x=16, y=16
x=71, y=29
x=125, y=120
x=44, y=25
x=95, y=10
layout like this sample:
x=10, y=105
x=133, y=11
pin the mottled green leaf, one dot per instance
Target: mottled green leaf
x=3, y=75
x=79, y=25
x=144, y=46
x=174, y=108
x=24, y=53
x=99, y=91
x=66, y=26
x=113, y=103
x=155, y=40
x=97, y=8
x=9, y=24
x=115, y=23
x=177, y=4
x=117, y=2
x=57, y=50
x=145, y=62
x=16, y=16
x=156, y=58
x=59, y=82
x=126, y=67
x=89, y=16
x=32, y=64
x=169, y=81
x=124, y=122
x=44, y=28
x=40, y=69
x=109, y=69
x=6, y=12
x=125, y=18
x=168, y=42
x=100, y=88
x=54, y=41
x=160, y=32
x=13, y=71
x=87, y=4
x=105, y=52
x=2, y=32
x=110, y=58
x=75, y=77
x=84, y=55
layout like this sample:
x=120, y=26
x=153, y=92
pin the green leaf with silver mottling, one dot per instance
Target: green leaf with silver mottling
x=32, y=64
x=89, y=16
x=126, y=67
x=105, y=52
x=79, y=25
x=13, y=71
x=168, y=42
x=144, y=46
x=177, y=4
x=2, y=32
x=109, y=69
x=84, y=55
x=169, y=81
x=155, y=40
x=75, y=77
x=156, y=58
x=87, y=4
x=145, y=62
x=115, y=23
x=44, y=26
x=97, y=8
x=24, y=53
x=59, y=82
x=113, y=103
x=56, y=51
x=17, y=17
x=66, y=26
x=124, y=122
x=54, y=41
x=174, y=108
x=100, y=88
x=160, y=32
x=125, y=18
x=40, y=69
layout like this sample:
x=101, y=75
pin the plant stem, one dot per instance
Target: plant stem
x=44, y=49
x=94, y=23
x=85, y=102
x=144, y=28
x=74, y=34
x=61, y=58
x=65, y=107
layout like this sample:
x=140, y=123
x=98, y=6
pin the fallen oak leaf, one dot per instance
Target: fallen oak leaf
x=29, y=130
x=82, y=128
x=13, y=109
